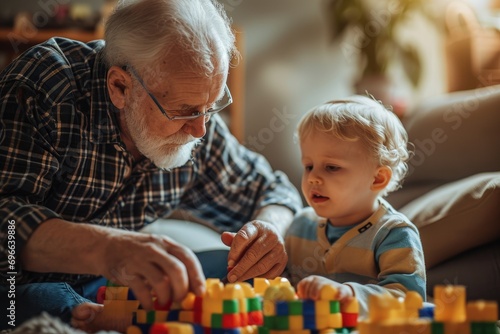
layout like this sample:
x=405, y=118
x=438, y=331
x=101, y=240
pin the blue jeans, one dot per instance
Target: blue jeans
x=59, y=299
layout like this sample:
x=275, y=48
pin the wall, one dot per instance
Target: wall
x=290, y=68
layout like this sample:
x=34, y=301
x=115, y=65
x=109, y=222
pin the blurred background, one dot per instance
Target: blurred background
x=296, y=54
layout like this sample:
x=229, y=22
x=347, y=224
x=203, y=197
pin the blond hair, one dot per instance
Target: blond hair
x=365, y=119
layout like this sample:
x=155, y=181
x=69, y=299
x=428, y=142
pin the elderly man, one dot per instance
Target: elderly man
x=99, y=139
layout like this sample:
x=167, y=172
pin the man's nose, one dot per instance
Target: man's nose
x=196, y=127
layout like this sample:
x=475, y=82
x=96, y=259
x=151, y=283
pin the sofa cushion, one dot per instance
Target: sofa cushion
x=457, y=217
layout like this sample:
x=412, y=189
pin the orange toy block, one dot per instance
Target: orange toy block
x=450, y=303
x=260, y=285
x=482, y=311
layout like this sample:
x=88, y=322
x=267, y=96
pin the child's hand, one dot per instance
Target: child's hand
x=310, y=288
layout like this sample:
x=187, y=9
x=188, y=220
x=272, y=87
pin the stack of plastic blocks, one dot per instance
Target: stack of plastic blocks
x=223, y=309
x=284, y=313
x=451, y=315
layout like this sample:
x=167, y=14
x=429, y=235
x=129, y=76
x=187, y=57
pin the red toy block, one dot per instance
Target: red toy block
x=349, y=319
x=101, y=294
x=159, y=328
x=255, y=318
x=231, y=320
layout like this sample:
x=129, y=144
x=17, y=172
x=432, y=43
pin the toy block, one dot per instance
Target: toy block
x=254, y=304
x=231, y=320
x=349, y=319
x=215, y=290
x=282, y=307
x=186, y=316
x=134, y=329
x=419, y=326
x=244, y=319
x=457, y=328
x=322, y=307
x=269, y=307
x=280, y=281
x=335, y=306
x=101, y=294
x=216, y=321
x=309, y=321
x=321, y=321
x=206, y=319
x=295, y=307
x=157, y=306
x=450, y=303
x=145, y=317
x=308, y=307
x=243, y=305
x=296, y=322
x=412, y=303
x=233, y=291
x=225, y=331
x=230, y=306
x=121, y=306
x=116, y=293
x=188, y=301
x=173, y=315
x=269, y=321
x=328, y=292
x=437, y=327
x=483, y=328
x=248, y=290
x=211, y=305
x=482, y=311
x=335, y=320
x=350, y=306
x=260, y=285
x=255, y=318
x=281, y=323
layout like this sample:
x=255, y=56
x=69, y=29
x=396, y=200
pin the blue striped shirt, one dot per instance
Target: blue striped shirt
x=61, y=156
x=381, y=254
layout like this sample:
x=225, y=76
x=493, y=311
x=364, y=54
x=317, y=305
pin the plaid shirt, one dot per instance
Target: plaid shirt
x=61, y=156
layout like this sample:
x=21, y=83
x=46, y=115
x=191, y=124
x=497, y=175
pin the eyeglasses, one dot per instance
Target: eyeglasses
x=220, y=104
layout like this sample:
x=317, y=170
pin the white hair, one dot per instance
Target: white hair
x=142, y=33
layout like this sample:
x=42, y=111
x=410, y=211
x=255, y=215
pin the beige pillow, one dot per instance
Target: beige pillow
x=457, y=216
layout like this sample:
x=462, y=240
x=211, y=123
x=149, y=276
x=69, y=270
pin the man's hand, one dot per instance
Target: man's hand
x=257, y=250
x=152, y=265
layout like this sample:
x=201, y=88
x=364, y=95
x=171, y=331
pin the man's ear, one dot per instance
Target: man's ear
x=382, y=177
x=118, y=81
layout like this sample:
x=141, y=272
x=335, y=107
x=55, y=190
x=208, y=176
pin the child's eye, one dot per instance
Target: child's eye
x=308, y=168
x=332, y=168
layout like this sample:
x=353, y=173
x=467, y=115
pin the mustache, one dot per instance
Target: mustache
x=180, y=139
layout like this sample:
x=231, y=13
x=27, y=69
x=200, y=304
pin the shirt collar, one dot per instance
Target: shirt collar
x=103, y=120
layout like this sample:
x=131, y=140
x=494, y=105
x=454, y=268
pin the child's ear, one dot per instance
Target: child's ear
x=118, y=81
x=382, y=178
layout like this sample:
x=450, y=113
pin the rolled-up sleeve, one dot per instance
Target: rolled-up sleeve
x=234, y=182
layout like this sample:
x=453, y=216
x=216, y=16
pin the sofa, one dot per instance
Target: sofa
x=452, y=193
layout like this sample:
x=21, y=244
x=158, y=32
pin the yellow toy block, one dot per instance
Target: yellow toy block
x=249, y=330
x=233, y=291
x=482, y=311
x=295, y=322
x=268, y=307
x=206, y=319
x=248, y=290
x=328, y=292
x=211, y=305
x=180, y=328
x=188, y=301
x=215, y=289
x=382, y=307
x=321, y=321
x=322, y=307
x=280, y=281
x=260, y=285
x=186, y=316
x=161, y=316
x=116, y=293
x=413, y=302
x=450, y=303
x=335, y=320
x=457, y=327
x=133, y=330
x=350, y=306
x=419, y=326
